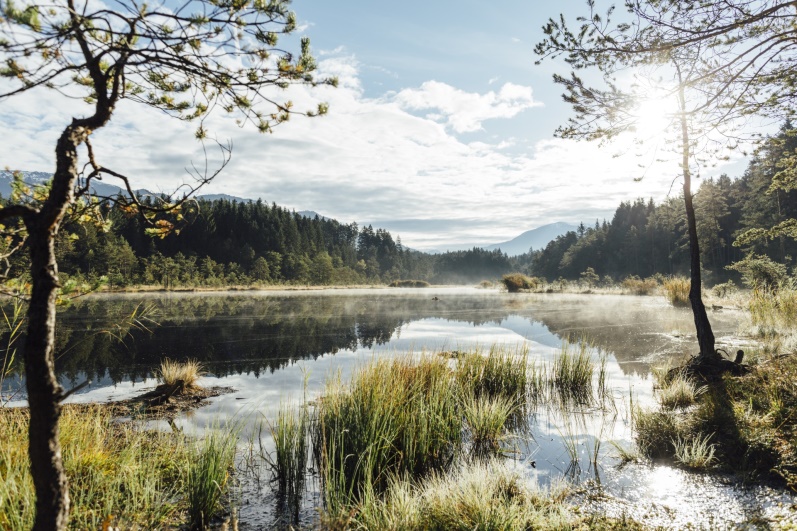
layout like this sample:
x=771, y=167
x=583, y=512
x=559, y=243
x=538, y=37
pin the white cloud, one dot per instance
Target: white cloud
x=464, y=111
x=369, y=160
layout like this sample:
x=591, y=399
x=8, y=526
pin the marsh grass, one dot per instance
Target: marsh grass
x=695, y=452
x=678, y=392
x=515, y=282
x=656, y=431
x=486, y=418
x=409, y=284
x=501, y=373
x=394, y=417
x=118, y=473
x=776, y=309
x=189, y=372
x=639, y=286
x=481, y=495
x=289, y=466
x=571, y=374
x=676, y=290
x=212, y=460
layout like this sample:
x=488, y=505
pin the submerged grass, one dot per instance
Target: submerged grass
x=120, y=476
x=289, y=465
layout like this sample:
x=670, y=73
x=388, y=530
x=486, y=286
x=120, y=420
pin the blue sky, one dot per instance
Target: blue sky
x=441, y=130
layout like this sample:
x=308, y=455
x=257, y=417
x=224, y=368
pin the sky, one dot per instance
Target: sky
x=441, y=130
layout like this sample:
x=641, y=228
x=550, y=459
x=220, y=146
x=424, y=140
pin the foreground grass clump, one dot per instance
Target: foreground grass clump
x=745, y=424
x=394, y=417
x=515, y=282
x=208, y=476
x=188, y=372
x=676, y=290
x=486, y=419
x=484, y=495
x=119, y=475
x=409, y=284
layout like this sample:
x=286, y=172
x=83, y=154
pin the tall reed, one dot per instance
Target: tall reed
x=394, y=417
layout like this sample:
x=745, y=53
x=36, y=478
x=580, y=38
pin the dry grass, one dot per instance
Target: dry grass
x=515, y=282
x=678, y=392
x=189, y=372
x=676, y=290
x=639, y=286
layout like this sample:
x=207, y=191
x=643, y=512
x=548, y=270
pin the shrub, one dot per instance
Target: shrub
x=514, y=282
x=724, y=289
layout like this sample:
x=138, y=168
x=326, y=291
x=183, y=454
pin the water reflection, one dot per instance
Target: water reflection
x=261, y=332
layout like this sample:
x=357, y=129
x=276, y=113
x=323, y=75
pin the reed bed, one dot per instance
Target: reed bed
x=676, y=290
x=120, y=476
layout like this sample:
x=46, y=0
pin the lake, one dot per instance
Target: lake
x=278, y=347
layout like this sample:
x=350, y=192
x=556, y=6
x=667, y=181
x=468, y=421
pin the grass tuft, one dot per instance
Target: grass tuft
x=290, y=464
x=189, y=372
x=486, y=418
x=695, y=452
x=571, y=374
x=679, y=392
x=208, y=476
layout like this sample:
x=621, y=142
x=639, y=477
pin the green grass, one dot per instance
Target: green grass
x=486, y=418
x=676, y=290
x=499, y=374
x=118, y=472
x=208, y=476
x=289, y=466
x=571, y=374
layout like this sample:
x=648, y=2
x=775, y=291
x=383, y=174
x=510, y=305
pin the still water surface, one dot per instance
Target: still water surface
x=281, y=347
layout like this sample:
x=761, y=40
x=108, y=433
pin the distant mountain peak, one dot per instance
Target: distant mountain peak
x=533, y=239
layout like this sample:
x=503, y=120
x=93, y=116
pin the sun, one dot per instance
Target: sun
x=653, y=115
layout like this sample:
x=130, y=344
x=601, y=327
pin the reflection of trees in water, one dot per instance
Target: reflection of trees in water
x=252, y=333
x=234, y=334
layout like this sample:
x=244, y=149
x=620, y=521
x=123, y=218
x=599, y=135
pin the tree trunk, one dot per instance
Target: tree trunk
x=705, y=336
x=44, y=391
